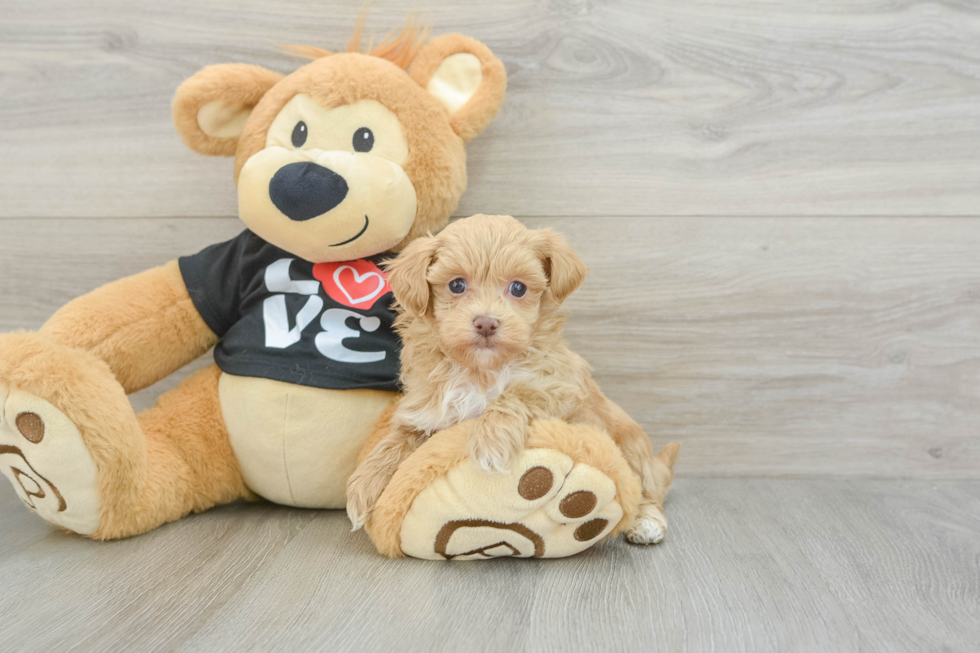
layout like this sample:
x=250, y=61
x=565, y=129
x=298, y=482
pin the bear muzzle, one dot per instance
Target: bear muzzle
x=304, y=190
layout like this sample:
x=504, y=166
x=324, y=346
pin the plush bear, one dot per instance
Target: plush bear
x=338, y=164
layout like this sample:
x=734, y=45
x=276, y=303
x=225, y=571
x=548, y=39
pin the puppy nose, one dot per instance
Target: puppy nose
x=485, y=325
x=304, y=190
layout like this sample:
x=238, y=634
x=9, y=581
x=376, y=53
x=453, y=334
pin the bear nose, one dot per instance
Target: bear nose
x=304, y=190
x=485, y=325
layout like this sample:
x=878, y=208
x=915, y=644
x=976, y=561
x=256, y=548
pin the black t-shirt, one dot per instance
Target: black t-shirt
x=325, y=325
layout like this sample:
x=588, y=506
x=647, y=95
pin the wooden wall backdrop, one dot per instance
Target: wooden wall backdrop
x=776, y=198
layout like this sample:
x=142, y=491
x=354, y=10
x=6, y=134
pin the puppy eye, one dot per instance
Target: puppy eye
x=363, y=140
x=457, y=286
x=300, y=132
x=518, y=289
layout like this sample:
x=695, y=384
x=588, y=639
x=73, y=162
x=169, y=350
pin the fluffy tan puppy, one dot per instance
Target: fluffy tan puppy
x=479, y=315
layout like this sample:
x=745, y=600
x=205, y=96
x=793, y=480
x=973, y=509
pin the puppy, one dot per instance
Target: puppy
x=482, y=331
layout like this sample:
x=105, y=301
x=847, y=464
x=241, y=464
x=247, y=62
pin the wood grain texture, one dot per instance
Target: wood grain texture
x=749, y=565
x=769, y=347
x=626, y=107
x=831, y=348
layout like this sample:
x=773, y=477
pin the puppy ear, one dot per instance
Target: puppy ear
x=407, y=275
x=210, y=108
x=564, y=268
x=465, y=77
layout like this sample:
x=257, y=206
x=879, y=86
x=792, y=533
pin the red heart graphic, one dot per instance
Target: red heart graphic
x=358, y=284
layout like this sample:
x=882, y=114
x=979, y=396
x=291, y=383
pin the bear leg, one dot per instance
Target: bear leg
x=78, y=455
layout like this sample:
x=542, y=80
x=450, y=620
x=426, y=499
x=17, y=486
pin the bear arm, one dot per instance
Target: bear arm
x=145, y=327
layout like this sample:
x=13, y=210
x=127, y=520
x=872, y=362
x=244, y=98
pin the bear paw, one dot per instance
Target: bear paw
x=42, y=454
x=547, y=506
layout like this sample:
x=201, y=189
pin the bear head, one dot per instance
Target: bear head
x=353, y=154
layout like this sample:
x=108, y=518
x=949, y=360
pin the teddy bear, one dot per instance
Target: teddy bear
x=338, y=166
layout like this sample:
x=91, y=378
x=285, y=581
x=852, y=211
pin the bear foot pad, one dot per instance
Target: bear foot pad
x=43, y=456
x=547, y=506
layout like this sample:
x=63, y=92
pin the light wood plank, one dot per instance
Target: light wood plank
x=749, y=565
x=772, y=346
x=627, y=107
x=767, y=346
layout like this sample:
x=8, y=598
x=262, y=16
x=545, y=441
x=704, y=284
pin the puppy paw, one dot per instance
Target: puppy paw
x=358, y=515
x=493, y=445
x=490, y=458
x=361, y=497
x=644, y=531
x=650, y=526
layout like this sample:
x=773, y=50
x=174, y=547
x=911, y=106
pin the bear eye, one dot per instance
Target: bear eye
x=363, y=140
x=457, y=286
x=300, y=132
x=518, y=289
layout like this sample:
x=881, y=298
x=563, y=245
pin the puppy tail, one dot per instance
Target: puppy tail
x=662, y=471
x=668, y=455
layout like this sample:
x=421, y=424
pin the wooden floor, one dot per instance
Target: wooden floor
x=779, y=203
x=749, y=565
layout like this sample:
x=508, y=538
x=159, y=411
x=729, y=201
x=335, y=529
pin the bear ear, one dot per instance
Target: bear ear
x=465, y=77
x=210, y=108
